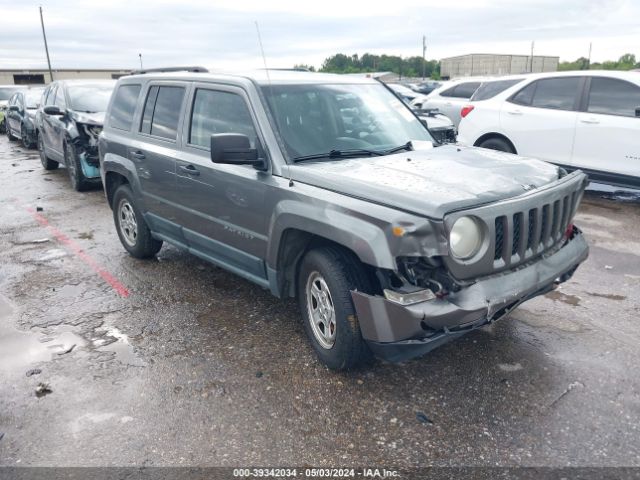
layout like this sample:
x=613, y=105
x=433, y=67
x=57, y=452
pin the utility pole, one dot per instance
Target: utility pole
x=140, y=55
x=46, y=48
x=589, y=58
x=531, y=69
x=424, y=56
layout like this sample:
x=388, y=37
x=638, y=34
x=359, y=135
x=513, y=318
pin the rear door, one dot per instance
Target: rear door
x=608, y=128
x=47, y=124
x=222, y=205
x=11, y=115
x=540, y=119
x=153, y=154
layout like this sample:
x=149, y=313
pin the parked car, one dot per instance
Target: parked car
x=6, y=91
x=449, y=98
x=425, y=88
x=586, y=119
x=68, y=123
x=405, y=93
x=21, y=115
x=440, y=126
x=327, y=188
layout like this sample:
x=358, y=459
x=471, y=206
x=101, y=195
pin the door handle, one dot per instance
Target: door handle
x=590, y=120
x=190, y=169
x=514, y=112
x=138, y=155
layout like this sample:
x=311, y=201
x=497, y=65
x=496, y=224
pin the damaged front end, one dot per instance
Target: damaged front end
x=529, y=247
x=84, y=138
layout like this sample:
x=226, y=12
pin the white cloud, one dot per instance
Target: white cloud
x=222, y=34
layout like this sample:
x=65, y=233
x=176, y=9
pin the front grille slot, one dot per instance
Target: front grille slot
x=517, y=225
x=532, y=229
x=500, y=226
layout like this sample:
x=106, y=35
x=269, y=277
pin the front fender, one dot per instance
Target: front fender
x=365, y=238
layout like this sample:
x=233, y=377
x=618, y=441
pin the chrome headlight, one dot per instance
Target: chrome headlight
x=465, y=238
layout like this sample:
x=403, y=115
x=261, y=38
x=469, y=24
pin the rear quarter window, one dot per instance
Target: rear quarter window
x=491, y=89
x=124, y=106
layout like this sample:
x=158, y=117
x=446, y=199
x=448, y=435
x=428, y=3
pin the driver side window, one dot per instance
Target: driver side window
x=216, y=111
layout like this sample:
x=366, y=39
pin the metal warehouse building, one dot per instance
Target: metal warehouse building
x=490, y=64
x=41, y=76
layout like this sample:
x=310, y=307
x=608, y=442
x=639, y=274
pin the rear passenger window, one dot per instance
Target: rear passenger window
x=556, y=93
x=124, y=104
x=219, y=112
x=162, y=111
x=610, y=96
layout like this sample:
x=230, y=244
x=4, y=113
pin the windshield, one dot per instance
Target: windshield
x=5, y=93
x=316, y=119
x=32, y=97
x=90, y=98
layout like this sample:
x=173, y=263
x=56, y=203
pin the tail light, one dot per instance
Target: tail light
x=466, y=110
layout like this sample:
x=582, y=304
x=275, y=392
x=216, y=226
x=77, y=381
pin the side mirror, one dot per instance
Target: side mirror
x=14, y=108
x=637, y=111
x=53, y=110
x=234, y=148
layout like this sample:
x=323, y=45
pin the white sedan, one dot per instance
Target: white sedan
x=588, y=120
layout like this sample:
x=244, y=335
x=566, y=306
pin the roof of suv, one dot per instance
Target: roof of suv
x=260, y=77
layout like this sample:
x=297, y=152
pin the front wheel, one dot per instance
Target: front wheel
x=79, y=182
x=133, y=231
x=325, y=281
x=24, y=135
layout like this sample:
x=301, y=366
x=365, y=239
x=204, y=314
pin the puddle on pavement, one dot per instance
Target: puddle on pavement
x=21, y=349
x=121, y=347
x=557, y=295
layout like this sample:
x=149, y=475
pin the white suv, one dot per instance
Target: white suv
x=585, y=119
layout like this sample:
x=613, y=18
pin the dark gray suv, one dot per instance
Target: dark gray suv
x=328, y=188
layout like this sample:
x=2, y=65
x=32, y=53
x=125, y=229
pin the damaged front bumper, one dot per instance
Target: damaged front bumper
x=396, y=332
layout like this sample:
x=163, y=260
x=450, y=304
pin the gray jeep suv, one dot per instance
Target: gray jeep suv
x=329, y=189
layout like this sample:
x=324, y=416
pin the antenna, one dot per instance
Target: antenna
x=266, y=69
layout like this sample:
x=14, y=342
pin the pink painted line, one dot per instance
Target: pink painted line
x=81, y=254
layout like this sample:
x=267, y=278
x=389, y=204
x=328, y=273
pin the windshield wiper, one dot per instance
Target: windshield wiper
x=353, y=153
x=406, y=146
x=339, y=154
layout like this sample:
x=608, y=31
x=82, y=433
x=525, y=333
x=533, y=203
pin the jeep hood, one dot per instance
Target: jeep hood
x=430, y=182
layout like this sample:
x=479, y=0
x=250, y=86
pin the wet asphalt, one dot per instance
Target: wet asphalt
x=199, y=367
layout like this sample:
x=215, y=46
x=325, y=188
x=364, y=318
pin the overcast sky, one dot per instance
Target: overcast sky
x=222, y=34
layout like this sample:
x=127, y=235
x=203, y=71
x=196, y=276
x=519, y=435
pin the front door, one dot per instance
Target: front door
x=222, y=205
x=608, y=131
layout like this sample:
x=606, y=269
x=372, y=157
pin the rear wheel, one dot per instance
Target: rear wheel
x=325, y=281
x=133, y=231
x=47, y=163
x=497, y=143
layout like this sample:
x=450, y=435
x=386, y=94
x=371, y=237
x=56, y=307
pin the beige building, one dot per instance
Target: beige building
x=481, y=64
x=37, y=76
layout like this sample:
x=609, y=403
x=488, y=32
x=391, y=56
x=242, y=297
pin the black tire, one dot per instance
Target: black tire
x=3, y=126
x=143, y=245
x=47, y=163
x=8, y=130
x=497, y=143
x=342, y=273
x=79, y=182
x=26, y=141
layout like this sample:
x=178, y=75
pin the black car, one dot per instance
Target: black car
x=21, y=115
x=68, y=123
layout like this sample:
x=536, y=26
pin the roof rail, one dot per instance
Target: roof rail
x=171, y=69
